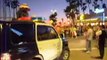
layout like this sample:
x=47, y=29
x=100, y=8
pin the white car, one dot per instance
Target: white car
x=27, y=40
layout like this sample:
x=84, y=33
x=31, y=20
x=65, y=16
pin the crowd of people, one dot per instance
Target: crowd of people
x=98, y=32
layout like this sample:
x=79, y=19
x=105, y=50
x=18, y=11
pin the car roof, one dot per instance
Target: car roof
x=33, y=22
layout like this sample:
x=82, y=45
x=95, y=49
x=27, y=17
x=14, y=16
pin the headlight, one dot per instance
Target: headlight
x=5, y=56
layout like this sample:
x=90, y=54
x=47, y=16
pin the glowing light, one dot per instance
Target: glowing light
x=6, y=56
x=92, y=24
x=53, y=11
x=16, y=32
x=82, y=17
x=99, y=11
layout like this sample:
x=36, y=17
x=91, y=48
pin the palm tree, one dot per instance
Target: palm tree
x=101, y=1
x=0, y=9
x=83, y=7
x=103, y=4
x=88, y=2
x=95, y=4
x=4, y=10
x=8, y=4
x=14, y=5
x=70, y=10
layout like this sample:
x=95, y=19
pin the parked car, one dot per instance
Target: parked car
x=28, y=40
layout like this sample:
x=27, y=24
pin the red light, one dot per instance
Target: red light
x=5, y=56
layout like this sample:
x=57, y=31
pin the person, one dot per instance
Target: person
x=101, y=41
x=89, y=38
x=73, y=31
x=22, y=13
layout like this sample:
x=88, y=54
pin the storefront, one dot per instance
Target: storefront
x=94, y=21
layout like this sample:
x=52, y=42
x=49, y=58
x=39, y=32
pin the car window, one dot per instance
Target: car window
x=46, y=33
x=21, y=33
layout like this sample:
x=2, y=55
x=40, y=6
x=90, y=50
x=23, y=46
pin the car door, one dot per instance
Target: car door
x=0, y=37
x=48, y=42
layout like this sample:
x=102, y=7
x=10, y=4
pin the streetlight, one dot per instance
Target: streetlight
x=53, y=11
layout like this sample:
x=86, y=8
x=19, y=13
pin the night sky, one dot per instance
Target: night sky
x=42, y=8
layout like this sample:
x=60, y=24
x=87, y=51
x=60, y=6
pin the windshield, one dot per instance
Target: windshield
x=21, y=33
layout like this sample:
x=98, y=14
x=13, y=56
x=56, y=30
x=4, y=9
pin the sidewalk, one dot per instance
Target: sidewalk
x=80, y=55
x=78, y=45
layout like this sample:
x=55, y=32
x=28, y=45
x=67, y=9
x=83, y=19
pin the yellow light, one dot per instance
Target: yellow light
x=0, y=26
x=82, y=16
x=96, y=23
x=92, y=24
x=5, y=56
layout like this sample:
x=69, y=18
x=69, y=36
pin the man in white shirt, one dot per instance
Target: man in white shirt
x=89, y=38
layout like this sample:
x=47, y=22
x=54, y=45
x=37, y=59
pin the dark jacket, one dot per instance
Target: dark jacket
x=103, y=35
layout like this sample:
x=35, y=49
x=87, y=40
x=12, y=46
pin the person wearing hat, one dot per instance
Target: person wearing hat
x=22, y=13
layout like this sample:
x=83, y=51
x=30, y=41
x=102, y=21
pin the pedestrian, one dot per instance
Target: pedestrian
x=73, y=30
x=89, y=38
x=101, y=41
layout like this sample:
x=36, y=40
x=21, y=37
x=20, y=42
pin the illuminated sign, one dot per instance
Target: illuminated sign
x=99, y=10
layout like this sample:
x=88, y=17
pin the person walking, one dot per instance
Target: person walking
x=101, y=41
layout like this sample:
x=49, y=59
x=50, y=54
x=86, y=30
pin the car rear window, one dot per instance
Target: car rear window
x=21, y=33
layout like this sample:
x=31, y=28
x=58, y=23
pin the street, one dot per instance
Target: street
x=77, y=45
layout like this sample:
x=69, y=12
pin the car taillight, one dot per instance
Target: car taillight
x=5, y=56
